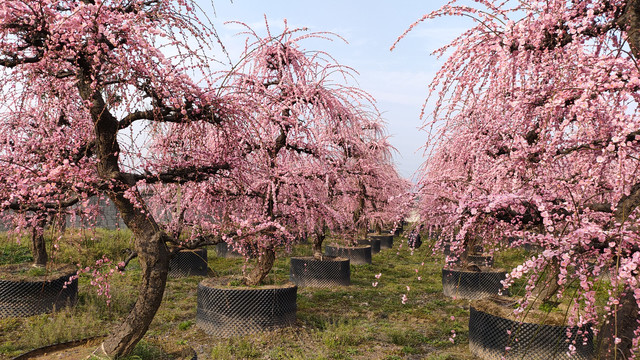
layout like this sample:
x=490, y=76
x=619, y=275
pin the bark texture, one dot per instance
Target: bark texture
x=620, y=324
x=317, y=245
x=38, y=247
x=262, y=268
x=630, y=20
x=150, y=240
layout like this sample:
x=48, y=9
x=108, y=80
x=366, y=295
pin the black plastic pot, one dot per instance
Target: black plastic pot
x=462, y=284
x=386, y=241
x=358, y=255
x=494, y=337
x=328, y=272
x=227, y=312
x=26, y=298
x=374, y=243
x=189, y=263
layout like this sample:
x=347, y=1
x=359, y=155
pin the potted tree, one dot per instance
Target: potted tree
x=83, y=93
x=296, y=120
x=532, y=150
x=41, y=206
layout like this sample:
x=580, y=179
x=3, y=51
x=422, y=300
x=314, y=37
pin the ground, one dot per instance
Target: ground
x=355, y=322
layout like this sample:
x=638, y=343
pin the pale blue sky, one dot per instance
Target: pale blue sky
x=398, y=80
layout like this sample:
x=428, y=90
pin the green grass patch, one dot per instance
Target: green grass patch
x=360, y=321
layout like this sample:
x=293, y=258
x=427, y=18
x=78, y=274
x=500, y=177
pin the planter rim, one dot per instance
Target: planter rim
x=66, y=270
x=528, y=320
x=349, y=247
x=484, y=270
x=211, y=283
x=325, y=258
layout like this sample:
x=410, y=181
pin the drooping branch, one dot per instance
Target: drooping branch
x=169, y=115
x=22, y=207
x=178, y=175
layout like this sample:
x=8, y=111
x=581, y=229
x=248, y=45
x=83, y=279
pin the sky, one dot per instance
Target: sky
x=397, y=79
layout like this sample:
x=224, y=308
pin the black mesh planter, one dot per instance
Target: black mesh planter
x=494, y=337
x=228, y=311
x=386, y=241
x=26, y=298
x=374, y=243
x=462, y=284
x=328, y=272
x=189, y=263
x=358, y=255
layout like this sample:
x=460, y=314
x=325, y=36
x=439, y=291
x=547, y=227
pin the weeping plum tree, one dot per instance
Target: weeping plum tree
x=34, y=191
x=367, y=189
x=534, y=136
x=81, y=74
x=115, y=117
x=298, y=109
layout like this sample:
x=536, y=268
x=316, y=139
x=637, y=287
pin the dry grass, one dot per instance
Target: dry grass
x=356, y=322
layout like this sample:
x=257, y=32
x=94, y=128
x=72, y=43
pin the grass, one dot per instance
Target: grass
x=356, y=322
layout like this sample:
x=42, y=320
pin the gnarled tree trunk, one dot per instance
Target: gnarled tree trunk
x=317, y=245
x=153, y=255
x=150, y=240
x=38, y=245
x=262, y=268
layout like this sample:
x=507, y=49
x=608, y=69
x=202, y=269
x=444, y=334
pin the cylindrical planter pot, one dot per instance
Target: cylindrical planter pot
x=386, y=241
x=462, y=284
x=494, y=337
x=358, y=255
x=374, y=243
x=26, y=298
x=189, y=263
x=328, y=272
x=227, y=311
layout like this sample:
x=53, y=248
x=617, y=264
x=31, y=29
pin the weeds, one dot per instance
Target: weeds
x=355, y=322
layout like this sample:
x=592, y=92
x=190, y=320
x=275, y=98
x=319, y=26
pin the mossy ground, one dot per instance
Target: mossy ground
x=356, y=322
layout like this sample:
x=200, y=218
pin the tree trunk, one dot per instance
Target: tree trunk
x=317, y=245
x=38, y=247
x=262, y=268
x=548, y=286
x=620, y=324
x=150, y=240
x=153, y=255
